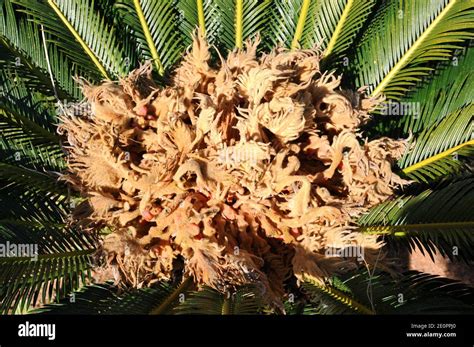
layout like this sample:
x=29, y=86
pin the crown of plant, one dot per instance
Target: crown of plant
x=249, y=172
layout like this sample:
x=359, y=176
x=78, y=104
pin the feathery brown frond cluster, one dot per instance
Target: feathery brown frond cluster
x=251, y=172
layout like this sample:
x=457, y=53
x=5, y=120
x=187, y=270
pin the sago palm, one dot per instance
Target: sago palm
x=234, y=156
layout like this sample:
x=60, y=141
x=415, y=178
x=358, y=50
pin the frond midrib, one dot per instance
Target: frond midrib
x=342, y=298
x=397, y=230
x=338, y=29
x=79, y=39
x=166, y=304
x=436, y=157
x=405, y=59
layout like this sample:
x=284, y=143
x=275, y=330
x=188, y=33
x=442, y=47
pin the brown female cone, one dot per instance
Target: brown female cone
x=251, y=172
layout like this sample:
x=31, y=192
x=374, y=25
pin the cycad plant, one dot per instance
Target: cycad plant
x=234, y=156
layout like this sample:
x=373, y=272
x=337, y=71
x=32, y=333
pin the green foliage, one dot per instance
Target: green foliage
x=378, y=293
x=60, y=263
x=445, y=91
x=334, y=25
x=433, y=220
x=108, y=299
x=282, y=23
x=245, y=300
x=392, y=46
x=190, y=20
x=254, y=17
x=429, y=158
x=402, y=40
x=23, y=55
x=162, y=21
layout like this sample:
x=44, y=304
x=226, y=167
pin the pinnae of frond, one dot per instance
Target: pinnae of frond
x=200, y=12
x=164, y=306
x=339, y=27
x=343, y=298
x=401, y=230
x=78, y=38
x=226, y=306
x=149, y=39
x=239, y=14
x=300, y=24
x=405, y=59
x=49, y=69
x=436, y=157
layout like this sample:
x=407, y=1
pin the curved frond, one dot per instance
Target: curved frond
x=447, y=91
x=440, y=149
x=361, y=292
x=435, y=220
x=202, y=14
x=334, y=25
x=22, y=54
x=209, y=301
x=98, y=40
x=350, y=21
x=330, y=300
x=76, y=26
x=45, y=262
x=283, y=20
x=173, y=298
x=404, y=37
x=240, y=20
x=108, y=299
x=28, y=194
x=155, y=28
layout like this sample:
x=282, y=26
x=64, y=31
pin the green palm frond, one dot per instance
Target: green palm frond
x=76, y=26
x=334, y=25
x=350, y=21
x=24, y=137
x=154, y=27
x=201, y=14
x=281, y=29
x=328, y=299
x=28, y=194
x=96, y=38
x=23, y=55
x=434, y=220
x=330, y=24
x=364, y=293
x=448, y=90
x=59, y=39
x=414, y=34
x=240, y=20
x=22, y=121
x=244, y=300
x=108, y=299
x=439, y=150
x=60, y=262
x=175, y=296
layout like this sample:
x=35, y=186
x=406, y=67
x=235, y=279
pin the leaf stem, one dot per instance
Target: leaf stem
x=200, y=11
x=405, y=59
x=148, y=37
x=400, y=230
x=300, y=24
x=339, y=27
x=165, y=305
x=226, y=306
x=78, y=38
x=436, y=157
x=239, y=8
